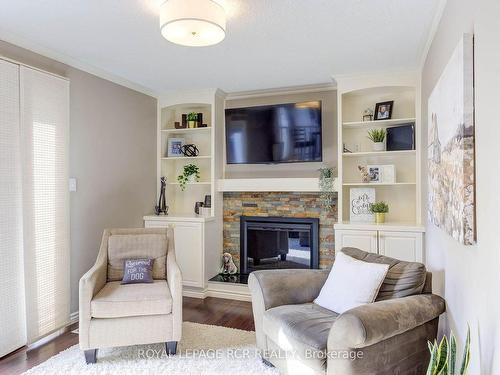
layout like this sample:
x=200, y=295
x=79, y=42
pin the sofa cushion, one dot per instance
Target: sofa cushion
x=351, y=283
x=130, y=246
x=403, y=278
x=308, y=324
x=116, y=301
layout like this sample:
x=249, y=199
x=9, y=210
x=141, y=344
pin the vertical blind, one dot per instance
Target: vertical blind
x=44, y=145
x=34, y=139
x=12, y=310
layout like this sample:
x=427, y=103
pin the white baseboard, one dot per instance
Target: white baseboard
x=73, y=317
x=239, y=292
x=228, y=295
x=194, y=293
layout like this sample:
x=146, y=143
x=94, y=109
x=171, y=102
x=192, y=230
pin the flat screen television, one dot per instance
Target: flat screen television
x=282, y=133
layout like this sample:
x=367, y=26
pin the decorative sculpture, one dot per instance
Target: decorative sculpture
x=368, y=114
x=162, y=208
x=190, y=150
x=365, y=176
x=228, y=266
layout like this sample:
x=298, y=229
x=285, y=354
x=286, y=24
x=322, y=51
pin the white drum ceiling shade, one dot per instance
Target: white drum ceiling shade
x=193, y=23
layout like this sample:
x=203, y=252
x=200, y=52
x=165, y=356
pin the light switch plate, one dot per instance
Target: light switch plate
x=72, y=184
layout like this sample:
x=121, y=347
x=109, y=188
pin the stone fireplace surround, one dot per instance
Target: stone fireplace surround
x=281, y=204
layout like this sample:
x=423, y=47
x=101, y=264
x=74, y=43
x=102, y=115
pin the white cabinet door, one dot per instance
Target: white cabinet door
x=401, y=245
x=362, y=239
x=189, y=250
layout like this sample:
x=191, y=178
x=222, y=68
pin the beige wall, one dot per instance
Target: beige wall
x=112, y=155
x=329, y=136
x=469, y=276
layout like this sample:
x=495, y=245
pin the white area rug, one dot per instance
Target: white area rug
x=204, y=349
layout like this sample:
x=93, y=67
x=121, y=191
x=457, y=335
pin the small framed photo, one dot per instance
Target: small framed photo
x=382, y=173
x=388, y=174
x=383, y=110
x=174, y=146
x=374, y=173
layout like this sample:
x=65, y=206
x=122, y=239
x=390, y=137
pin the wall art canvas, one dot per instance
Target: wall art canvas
x=360, y=201
x=451, y=179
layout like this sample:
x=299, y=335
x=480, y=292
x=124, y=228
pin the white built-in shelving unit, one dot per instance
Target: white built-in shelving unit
x=354, y=96
x=198, y=242
x=182, y=202
x=403, y=229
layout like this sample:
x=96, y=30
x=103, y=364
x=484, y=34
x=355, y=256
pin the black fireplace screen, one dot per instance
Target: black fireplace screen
x=278, y=243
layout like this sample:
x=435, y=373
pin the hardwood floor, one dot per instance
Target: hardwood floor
x=216, y=311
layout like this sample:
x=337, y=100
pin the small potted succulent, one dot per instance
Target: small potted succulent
x=190, y=174
x=377, y=136
x=192, y=119
x=379, y=209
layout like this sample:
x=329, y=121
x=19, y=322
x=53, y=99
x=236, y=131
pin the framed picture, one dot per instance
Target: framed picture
x=450, y=148
x=388, y=174
x=360, y=200
x=374, y=172
x=383, y=110
x=174, y=146
x=401, y=138
x=382, y=173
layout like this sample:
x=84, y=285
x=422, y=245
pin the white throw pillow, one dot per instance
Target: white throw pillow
x=351, y=283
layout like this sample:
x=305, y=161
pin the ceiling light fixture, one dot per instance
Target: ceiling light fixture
x=193, y=23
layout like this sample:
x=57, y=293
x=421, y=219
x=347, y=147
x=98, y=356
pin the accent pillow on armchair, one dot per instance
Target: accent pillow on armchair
x=137, y=271
x=351, y=283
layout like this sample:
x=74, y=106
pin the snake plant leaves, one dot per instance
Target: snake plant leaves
x=443, y=356
x=466, y=356
x=452, y=354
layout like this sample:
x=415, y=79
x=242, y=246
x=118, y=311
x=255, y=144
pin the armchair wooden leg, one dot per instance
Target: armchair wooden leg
x=90, y=356
x=171, y=347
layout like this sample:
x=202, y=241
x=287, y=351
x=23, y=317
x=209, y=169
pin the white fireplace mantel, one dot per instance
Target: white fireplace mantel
x=270, y=184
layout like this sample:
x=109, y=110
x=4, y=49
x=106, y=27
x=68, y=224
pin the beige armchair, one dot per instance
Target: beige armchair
x=388, y=336
x=112, y=314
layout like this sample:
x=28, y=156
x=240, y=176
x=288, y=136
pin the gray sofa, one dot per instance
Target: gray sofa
x=388, y=336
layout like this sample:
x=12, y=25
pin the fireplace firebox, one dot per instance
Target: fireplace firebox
x=278, y=243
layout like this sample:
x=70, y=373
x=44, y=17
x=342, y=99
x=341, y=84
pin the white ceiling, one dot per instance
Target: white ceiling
x=269, y=43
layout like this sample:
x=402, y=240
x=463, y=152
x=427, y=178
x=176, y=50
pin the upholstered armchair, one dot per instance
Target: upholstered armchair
x=388, y=336
x=112, y=314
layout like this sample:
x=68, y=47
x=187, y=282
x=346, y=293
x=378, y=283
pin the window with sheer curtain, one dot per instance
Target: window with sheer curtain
x=34, y=198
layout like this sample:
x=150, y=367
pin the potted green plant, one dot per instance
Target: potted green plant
x=192, y=118
x=377, y=136
x=190, y=173
x=326, y=185
x=443, y=356
x=379, y=209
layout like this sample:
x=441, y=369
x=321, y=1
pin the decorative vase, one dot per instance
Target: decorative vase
x=379, y=217
x=205, y=211
x=191, y=124
x=378, y=146
x=192, y=179
x=197, y=207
